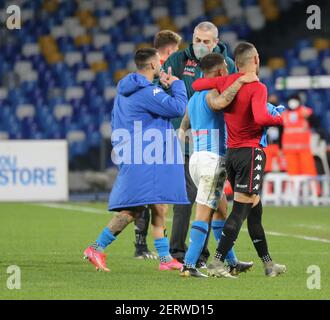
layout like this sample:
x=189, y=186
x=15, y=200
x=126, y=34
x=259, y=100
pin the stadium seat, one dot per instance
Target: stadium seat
x=63, y=110
x=3, y=93
x=255, y=18
x=321, y=44
x=326, y=64
x=100, y=40
x=265, y=72
x=85, y=75
x=30, y=49
x=276, y=63
x=106, y=23
x=105, y=129
x=99, y=66
x=299, y=71
x=307, y=54
x=72, y=58
x=25, y=111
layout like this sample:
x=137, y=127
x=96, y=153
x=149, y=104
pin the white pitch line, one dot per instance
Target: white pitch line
x=77, y=208
x=71, y=208
x=312, y=226
x=99, y=211
x=296, y=236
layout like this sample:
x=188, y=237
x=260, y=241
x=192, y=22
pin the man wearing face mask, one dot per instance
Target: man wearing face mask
x=185, y=65
x=297, y=137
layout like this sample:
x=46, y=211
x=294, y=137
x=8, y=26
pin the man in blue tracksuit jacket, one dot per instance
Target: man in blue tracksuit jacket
x=147, y=151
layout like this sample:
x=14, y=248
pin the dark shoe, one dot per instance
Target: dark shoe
x=240, y=267
x=191, y=272
x=142, y=252
x=201, y=265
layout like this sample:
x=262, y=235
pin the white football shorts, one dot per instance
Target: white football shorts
x=207, y=171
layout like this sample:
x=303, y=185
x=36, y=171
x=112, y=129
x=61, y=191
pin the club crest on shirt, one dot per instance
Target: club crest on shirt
x=190, y=68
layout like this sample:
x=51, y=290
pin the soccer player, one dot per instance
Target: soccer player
x=245, y=119
x=166, y=42
x=185, y=66
x=207, y=168
x=143, y=109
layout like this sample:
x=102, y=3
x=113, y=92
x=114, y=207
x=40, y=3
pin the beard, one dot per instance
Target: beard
x=156, y=75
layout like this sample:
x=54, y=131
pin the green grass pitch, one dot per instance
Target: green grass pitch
x=47, y=244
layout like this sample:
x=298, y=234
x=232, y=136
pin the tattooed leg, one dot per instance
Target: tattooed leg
x=120, y=221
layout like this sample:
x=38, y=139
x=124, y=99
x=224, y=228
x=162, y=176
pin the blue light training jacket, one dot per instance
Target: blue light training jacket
x=140, y=124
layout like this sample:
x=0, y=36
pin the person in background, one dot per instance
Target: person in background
x=296, y=138
x=166, y=42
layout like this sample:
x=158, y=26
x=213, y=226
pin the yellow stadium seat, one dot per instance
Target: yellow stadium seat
x=49, y=49
x=119, y=74
x=321, y=44
x=99, y=66
x=46, y=40
x=86, y=18
x=272, y=13
x=267, y=3
x=82, y=13
x=166, y=23
x=210, y=5
x=183, y=45
x=83, y=40
x=50, y=5
x=144, y=45
x=270, y=9
x=89, y=22
x=276, y=63
x=54, y=58
x=220, y=20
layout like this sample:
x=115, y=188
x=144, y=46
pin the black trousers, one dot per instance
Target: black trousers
x=181, y=220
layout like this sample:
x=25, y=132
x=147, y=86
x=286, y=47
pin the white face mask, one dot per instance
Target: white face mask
x=293, y=104
x=200, y=50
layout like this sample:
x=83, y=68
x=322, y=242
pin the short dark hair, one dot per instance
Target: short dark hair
x=142, y=56
x=241, y=52
x=210, y=61
x=166, y=37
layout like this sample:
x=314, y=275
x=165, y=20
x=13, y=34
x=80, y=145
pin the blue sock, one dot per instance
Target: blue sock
x=163, y=249
x=198, y=234
x=105, y=238
x=217, y=227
